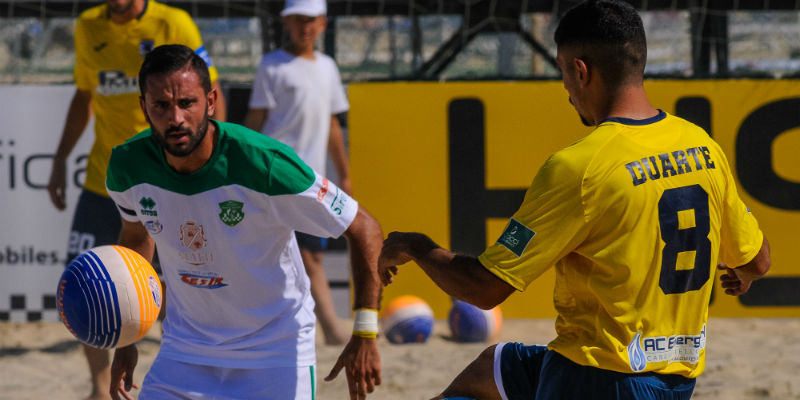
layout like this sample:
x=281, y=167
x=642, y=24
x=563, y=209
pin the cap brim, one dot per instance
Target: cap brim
x=307, y=11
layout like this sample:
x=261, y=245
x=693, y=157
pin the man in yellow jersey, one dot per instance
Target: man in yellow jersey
x=635, y=217
x=110, y=43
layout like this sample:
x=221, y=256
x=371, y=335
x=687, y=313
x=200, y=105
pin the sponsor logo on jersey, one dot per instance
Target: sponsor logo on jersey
x=323, y=190
x=205, y=281
x=636, y=357
x=193, y=238
x=516, y=237
x=110, y=83
x=148, y=206
x=339, y=201
x=154, y=226
x=155, y=289
x=145, y=46
x=673, y=348
x=232, y=212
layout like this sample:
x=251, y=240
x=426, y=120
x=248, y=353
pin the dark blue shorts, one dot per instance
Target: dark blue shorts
x=533, y=372
x=96, y=223
x=310, y=242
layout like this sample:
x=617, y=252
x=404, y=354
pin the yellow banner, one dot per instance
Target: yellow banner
x=452, y=160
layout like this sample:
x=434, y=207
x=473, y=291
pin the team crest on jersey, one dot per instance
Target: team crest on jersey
x=232, y=212
x=516, y=237
x=145, y=46
x=192, y=236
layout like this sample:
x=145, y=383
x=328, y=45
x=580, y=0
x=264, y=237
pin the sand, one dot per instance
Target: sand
x=747, y=359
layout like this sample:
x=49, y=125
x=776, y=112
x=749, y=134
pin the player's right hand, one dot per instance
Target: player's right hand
x=733, y=284
x=57, y=187
x=395, y=251
x=125, y=359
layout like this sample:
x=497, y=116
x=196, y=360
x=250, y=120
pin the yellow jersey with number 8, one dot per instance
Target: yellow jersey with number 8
x=635, y=218
x=107, y=61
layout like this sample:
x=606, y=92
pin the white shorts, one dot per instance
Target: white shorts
x=169, y=379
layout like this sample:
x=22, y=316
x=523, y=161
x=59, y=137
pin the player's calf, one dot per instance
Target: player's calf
x=476, y=381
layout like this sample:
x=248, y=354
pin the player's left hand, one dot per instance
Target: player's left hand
x=362, y=364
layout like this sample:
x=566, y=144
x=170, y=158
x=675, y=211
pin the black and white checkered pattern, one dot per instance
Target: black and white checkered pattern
x=25, y=308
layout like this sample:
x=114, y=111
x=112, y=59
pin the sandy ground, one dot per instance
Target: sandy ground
x=747, y=359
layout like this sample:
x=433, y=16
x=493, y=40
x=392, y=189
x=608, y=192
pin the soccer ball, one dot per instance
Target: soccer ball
x=109, y=296
x=407, y=319
x=472, y=324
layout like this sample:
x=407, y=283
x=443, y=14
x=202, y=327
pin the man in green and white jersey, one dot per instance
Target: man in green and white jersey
x=222, y=203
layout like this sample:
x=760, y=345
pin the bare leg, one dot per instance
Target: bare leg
x=332, y=330
x=476, y=380
x=100, y=369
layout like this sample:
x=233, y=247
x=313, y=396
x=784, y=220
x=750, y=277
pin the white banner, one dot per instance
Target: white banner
x=33, y=237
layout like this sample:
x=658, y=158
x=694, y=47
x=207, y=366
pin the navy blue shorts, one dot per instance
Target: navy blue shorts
x=96, y=223
x=533, y=372
x=310, y=242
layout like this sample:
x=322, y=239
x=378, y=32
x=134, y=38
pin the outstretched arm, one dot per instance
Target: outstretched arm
x=460, y=276
x=78, y=115
x=737, y=281
x=360, y=358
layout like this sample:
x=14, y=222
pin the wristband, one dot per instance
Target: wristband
x=365, y=323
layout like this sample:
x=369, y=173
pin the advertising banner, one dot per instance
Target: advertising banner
x=34, y=234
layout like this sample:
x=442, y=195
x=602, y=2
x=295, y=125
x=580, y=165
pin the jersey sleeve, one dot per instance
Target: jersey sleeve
x=321, y=210
x=262, y=95
x=740, y=236
x=549, y=225
x=81, y=73
x=126, y=209
x=339, y=102
x=187, y=34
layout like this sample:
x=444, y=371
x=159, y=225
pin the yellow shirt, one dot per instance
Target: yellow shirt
x=635, y=218
x=107, y=61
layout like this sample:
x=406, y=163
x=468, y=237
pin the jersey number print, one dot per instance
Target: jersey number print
x=675, y=206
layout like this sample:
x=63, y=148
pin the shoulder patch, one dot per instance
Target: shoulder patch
x=516, y=237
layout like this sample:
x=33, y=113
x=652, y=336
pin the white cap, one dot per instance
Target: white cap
x=310, y=8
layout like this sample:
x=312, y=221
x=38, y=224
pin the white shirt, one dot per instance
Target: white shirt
x=301, y=96
x=238, y=293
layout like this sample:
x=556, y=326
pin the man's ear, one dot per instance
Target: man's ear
x=211, y=99
x=582, y=71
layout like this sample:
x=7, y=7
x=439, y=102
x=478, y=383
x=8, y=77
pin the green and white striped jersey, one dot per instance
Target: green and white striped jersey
x=238, y=292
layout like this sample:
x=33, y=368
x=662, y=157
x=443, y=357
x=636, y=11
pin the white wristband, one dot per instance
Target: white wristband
x=365, y=323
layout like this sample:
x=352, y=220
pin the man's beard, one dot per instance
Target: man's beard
x=182, y=150
x=120, y=9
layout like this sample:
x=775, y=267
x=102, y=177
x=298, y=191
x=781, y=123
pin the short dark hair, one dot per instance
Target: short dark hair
x=611, y=37
x=170, y=58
